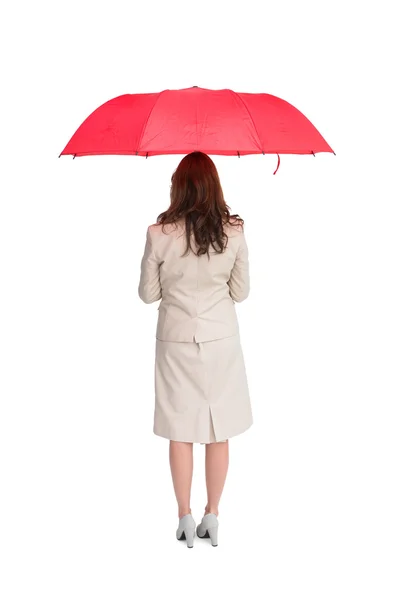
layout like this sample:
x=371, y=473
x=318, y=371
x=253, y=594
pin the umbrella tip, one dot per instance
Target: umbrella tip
x=195, y=86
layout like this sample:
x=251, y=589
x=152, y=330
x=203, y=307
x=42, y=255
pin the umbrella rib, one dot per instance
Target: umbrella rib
x=147, y=120
x=197, y=125
x=252, y=120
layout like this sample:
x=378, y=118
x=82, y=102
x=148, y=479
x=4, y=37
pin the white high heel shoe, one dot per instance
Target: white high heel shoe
x=186, y=530
x=208, y=528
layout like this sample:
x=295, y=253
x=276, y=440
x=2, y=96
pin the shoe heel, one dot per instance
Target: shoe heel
x=213, y=533
x=189, y=535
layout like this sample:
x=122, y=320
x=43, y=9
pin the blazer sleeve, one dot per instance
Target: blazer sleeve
x=239, y=281
x=149, y=285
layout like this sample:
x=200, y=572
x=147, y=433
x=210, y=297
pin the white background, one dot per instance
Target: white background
x=310, y=507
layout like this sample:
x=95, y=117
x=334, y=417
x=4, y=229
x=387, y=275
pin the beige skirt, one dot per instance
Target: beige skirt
x=201, y=390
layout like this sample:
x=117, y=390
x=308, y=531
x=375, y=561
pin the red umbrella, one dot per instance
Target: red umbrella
x=190, y=119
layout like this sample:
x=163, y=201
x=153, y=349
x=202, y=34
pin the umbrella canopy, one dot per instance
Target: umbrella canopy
x=190, y=119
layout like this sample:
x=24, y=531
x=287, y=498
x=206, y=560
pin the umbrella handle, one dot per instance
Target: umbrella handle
x=279, y=162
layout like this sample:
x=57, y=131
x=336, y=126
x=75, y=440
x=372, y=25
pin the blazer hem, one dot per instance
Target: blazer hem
x=196, y=338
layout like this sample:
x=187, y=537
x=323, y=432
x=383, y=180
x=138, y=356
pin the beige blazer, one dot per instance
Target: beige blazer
x=197, y=295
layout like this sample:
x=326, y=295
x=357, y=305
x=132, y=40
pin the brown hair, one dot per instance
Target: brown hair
x=197, y=198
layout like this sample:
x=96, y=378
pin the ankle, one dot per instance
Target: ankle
x=211, y=509
x=183, y=512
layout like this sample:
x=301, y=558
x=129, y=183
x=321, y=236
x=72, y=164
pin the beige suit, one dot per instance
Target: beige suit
x=197, y=294
x=204, y=377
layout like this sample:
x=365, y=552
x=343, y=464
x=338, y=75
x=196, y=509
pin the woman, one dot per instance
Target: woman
x=196, y=261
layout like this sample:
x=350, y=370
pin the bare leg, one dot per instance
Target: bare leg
x=181, y=462
x=217, y=461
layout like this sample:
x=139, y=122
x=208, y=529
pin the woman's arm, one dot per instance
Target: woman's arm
x=239, y=281
x=149, y=285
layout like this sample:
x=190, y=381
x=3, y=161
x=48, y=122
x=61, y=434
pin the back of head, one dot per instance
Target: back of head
x=197, y=201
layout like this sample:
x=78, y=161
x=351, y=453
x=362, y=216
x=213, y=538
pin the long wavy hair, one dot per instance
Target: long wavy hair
x=197, y=199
